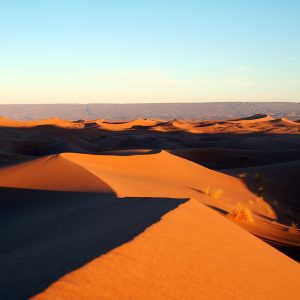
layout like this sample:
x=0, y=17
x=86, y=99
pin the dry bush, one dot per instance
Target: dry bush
x=261, y=182
x=242, y=175
x=241, y=213
x=293, y=228
x=214, y=193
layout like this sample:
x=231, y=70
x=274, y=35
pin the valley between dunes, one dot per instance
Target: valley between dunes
x=150, y=209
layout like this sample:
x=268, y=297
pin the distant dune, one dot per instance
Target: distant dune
x=150, y=208
x=255, y=118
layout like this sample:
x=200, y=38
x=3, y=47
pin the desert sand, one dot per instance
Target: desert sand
x=150, y=209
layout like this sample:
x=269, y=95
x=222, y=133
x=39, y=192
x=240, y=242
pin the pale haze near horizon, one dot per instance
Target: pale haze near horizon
x=149, y=51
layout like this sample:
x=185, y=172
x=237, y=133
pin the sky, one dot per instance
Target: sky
x=128, y=51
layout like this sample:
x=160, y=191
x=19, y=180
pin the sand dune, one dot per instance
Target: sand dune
x=285, y=121
x=54, y=136
x=148, y=175
x=101, y=209
x=254, y=119
x=50, y=121
x=185, y=256
x=238, y=125
x=49, y=234
x=121, y=126
x=52, y=173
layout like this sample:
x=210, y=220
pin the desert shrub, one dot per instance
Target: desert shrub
x=241, y=213
x=293, y=228
x=214, y=193
x=261, y=182
x=242, y=174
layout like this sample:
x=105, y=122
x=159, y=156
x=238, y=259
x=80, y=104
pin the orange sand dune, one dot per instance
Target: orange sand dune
x=126, y=125
x=254, y=119
x=51, y=121
x=192, y=253
x=252, y=124
x=285, y=121
x=147, y=175
x=51, y=173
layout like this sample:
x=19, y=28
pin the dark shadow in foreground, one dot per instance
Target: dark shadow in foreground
x=46, y=234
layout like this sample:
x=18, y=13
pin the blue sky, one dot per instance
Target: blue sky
x=149, y=51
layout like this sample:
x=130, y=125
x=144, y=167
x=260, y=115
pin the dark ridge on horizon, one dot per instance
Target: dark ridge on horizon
x=167, y=111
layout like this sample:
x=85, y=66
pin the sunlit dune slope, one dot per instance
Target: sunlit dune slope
x=126, y=125
x=192, y=253
x=148, y=175
x=50, y=121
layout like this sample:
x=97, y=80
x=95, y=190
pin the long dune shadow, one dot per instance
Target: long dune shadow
x=47, y=234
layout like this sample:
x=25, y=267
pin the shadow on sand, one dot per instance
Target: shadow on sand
x=47, y=234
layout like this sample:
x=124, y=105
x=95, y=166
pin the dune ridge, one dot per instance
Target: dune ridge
x=264, y=122
x=161, y=175
x=165, y=260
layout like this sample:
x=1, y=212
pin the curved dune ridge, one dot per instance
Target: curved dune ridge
x=255, y=119
x=52, y=173
x=148, y=175
x=285, y=121
x=127, y=125
x=192, y=253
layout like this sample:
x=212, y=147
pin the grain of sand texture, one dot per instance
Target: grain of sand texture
x=134, y=210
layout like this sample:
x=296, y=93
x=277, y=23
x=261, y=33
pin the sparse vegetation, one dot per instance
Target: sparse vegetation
x=241, y=213
x=242, y=174
x=260, y=180
x=294, y=227
x=214, y=193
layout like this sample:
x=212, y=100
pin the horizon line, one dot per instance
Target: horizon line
x=129, y=103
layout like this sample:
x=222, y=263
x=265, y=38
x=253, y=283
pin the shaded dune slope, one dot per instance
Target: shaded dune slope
x=225, y=158
x=280, y=186
x=52, y=173
x=49, y=234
